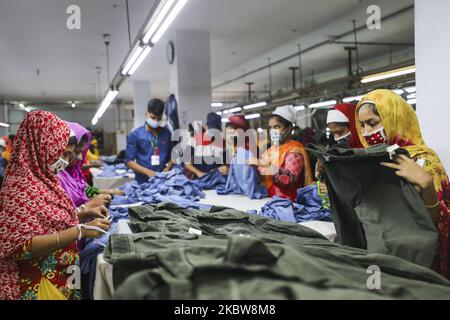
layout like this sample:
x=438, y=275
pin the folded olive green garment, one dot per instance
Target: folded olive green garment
x=227, y=254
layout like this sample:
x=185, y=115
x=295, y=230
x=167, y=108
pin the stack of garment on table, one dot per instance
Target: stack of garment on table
x=243, y=178
x=375, y=209
x=212, y=180
x=171, y=186
x=308, y=207
x=117, y=170
x=221, y=253
x=91, y=248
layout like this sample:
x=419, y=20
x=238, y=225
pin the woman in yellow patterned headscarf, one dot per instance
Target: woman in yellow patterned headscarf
x=385, y=117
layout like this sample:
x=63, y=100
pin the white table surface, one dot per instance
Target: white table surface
x=109, y=182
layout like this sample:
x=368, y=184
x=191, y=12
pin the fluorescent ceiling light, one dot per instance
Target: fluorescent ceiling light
x=323, y=104
x=348, y=99
x=300, y=108
x=399, y=91
x=219, y=113
x=141, y=58
x=389, y=74
x=225, y=120
x=110, y=96
x=21, y=105
x=252, y=116
x=217, y=104
x=411, y=101
x=233, y=110
x=260, y=130
x=133, y=58
x=160, y=15
x=226, y=112
x=170, y=18
x=2, y=124
x=255, y=105
x=410, y=89
x=73, y=105
x=411, y=96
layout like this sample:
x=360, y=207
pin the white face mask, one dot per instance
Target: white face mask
x=59, y=166
x=275, y=136
x=152, y=123
x=342, y=137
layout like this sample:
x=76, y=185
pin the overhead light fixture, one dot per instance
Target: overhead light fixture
x=300, y=108
x=327, y=103
x=226, y=112
x=260, y=130
x=170, y=18
x=154, y=24
x=411, y=101
x=73, y=105
x=389, y=74
x=255, y=105
x=411, y=96
x=233, y=110
x=225, y=120
x=410, y=89
x=399, y=91
x=21, y=106
x=110, y=96
x=141, y=58
x=2, y=124
x=252, y=116
x=136, y=53
x=217, y=104
x=219, y=113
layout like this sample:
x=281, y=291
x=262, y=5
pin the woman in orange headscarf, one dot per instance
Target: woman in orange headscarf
x=285, y=164
x=385, y=117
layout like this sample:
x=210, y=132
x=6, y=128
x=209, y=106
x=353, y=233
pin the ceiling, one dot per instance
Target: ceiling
x=244, y=33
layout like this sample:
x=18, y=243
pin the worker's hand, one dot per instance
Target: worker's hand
x=200, y=174
x=409, y=170
x=323, y=188
x=98, y=201
x=100, y=223
x=224, y=170
x=100, y=212
x=150, y=173
x=116, y=192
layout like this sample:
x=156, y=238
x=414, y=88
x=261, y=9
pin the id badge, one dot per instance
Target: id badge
x=155, y=160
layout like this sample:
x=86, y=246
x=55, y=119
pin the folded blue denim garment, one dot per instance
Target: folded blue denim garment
x=211, y=180
x=243, y=178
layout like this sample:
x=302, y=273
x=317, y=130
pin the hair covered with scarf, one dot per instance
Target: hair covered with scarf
x=402, y=127
x=32, y=202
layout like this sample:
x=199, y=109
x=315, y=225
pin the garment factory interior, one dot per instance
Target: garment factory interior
x=224, y=150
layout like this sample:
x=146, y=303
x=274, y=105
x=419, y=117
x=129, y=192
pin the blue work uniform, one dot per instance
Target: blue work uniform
x=142, y=145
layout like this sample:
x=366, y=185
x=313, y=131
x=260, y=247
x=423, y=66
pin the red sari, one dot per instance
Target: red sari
x=32, y=203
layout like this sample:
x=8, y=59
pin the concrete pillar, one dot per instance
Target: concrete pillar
x=141, y=97
x=432, y=29
x=190, y=75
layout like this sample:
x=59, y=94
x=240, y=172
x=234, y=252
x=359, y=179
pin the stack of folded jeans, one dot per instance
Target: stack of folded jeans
x=117, y=170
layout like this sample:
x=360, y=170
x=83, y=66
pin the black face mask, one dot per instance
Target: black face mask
x=345, y=142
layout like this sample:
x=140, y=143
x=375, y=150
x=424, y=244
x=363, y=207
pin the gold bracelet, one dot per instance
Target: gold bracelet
x=433, y=206
x=57, y=240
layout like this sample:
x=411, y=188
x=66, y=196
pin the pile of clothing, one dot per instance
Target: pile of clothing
x=309, y=206
x=243, y=178
x=172, y=186
x=174, y=253
x=117, y=170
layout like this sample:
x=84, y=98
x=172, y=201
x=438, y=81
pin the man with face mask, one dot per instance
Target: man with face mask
x=149, y=147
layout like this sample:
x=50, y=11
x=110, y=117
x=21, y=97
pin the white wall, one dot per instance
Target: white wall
x=432, y=25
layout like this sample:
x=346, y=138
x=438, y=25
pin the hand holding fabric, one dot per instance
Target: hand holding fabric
x=409, y=170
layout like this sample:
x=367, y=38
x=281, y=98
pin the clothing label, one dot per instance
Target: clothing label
x=195, y=231
x=155, y=160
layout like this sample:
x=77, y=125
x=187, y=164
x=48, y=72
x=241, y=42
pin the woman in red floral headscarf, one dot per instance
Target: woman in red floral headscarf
x=38, y=223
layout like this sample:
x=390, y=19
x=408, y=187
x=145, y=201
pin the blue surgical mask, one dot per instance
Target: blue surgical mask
x=275, y=136
x=153, y=123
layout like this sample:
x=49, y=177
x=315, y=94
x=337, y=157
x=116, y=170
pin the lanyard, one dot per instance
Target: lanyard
x=154, y=143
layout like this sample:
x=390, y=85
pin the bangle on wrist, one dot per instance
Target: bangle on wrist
x=80, y=235
x=433, y=206
x=57, y=241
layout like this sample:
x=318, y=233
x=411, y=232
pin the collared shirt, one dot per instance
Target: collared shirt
x=140, y=149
